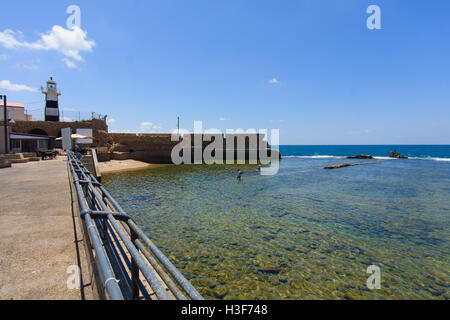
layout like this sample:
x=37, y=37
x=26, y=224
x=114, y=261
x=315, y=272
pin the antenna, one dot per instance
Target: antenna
x=178, y=124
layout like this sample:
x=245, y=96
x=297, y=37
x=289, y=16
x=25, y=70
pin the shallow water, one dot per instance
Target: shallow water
x=306, y=233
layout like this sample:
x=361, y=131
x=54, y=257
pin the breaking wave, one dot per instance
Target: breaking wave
x=377, y=158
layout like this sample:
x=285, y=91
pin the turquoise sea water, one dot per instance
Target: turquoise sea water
x=423, y=152
x=306, y=233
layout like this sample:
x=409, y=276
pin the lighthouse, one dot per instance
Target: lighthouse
x=51, y=101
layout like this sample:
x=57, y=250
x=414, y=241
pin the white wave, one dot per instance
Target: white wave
x=430, y=158
x=377, y=158
x=315, y=157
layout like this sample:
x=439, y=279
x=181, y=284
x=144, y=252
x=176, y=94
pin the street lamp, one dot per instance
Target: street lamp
x=5, y=122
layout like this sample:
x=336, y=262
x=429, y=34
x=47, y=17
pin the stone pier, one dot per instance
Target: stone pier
x=40, y=234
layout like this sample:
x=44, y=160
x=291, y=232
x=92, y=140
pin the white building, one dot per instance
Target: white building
x=16, y=112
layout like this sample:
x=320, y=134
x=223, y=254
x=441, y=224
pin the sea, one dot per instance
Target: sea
x=380, y=230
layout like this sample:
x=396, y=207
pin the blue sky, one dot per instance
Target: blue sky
x=334, y=81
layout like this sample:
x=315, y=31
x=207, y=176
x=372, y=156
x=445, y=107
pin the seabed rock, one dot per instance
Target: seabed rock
x=269, y=270
x=343, y=165
x=338, y=166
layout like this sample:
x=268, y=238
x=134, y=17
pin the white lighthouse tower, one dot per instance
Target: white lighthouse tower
x=51, y=101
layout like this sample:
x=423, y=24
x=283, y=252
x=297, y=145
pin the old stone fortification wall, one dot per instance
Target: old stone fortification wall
x=53, y=129
x=153, y=148
x=157, y=148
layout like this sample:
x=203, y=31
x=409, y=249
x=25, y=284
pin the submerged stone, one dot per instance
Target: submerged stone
x=269, y=270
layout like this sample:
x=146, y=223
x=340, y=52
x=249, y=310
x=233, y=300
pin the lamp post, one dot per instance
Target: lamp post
x=5, y=122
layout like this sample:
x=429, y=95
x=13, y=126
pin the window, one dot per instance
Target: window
x=42, y=144
x=15, y=145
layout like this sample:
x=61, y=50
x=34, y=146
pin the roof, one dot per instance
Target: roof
x=14, y=105
x=27, y=137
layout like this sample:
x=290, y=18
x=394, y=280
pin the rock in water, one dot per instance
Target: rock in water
x=361, y=156
x=395, y=154
x=338, y=166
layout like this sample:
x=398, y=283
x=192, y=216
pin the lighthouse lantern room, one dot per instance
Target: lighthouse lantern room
x=51, y=101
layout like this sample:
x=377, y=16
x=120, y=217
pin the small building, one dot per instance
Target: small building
x=16, y=112
x=29, y=142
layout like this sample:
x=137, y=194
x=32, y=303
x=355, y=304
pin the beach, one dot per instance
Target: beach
x=125, y=165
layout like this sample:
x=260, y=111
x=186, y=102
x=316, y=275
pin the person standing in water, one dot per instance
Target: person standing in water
x=259, y=168
x=239, y=174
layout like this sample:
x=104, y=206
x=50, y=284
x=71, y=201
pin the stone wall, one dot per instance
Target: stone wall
x=53, y=129
x=157, y=148
x=153, y=148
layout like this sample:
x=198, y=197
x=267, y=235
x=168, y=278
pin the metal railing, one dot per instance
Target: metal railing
x=128, y=265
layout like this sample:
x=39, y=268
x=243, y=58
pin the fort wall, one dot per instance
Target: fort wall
x=152, y=148
x=53, y=129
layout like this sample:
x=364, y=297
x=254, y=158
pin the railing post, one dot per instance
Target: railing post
x=134, y=271
x=104, y=227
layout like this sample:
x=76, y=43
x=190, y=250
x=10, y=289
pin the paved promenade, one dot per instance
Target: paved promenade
x=40, y=236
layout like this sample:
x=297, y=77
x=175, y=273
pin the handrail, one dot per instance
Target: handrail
x=122, y=250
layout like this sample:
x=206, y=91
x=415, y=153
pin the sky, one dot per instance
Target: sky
x=312, y=69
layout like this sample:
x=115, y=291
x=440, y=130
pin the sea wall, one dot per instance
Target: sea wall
x=157, y=148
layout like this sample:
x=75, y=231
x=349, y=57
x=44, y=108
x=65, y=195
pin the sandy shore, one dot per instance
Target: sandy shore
x=125, y=165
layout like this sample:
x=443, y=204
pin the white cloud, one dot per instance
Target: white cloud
x=222, y=119
x=276, y=121
x=68, y=42
x=146, y=126
x=111, y=121
x=69, y=63
x=34, y=65
x=29, y=66
x=213, y=131
x=273, y=81
x=8, y=86
x=149, y=127
x=121, y=131
x=70, y=109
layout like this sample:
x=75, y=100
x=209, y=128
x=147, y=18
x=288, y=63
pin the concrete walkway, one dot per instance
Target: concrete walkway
x=40, y=236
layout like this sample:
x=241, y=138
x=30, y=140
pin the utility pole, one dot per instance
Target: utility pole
x=178, y=124
x=5, y=122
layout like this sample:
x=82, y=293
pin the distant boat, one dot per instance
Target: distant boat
x=395, y=154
